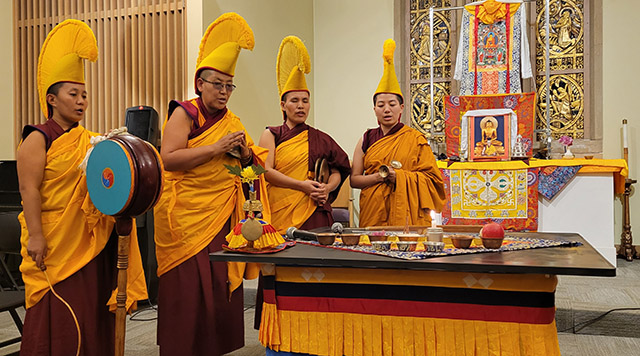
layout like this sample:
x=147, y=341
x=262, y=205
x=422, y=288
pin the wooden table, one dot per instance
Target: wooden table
x=332, y=302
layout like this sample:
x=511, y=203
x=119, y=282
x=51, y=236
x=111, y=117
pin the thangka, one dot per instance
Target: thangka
x=494, y=50
x=476, y=197
x=455, y=107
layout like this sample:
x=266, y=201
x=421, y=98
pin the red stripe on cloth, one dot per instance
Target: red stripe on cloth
x=269, y=296
x=401, y=308
x=475, y=53
x=507, y=25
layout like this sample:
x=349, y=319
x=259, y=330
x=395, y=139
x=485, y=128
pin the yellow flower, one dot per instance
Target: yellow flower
x=248, y=175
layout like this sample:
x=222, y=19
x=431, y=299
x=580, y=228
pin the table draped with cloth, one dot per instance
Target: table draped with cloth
x=348, y=311
x=507, y=191
x=328, y=301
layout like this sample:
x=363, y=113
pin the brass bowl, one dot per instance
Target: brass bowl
x=409, y=237
x=377, y=238
x=350, y=239
x=434, y=246
x=381, y=245
x=326, y=239
x=461, y=241
x=406, y=246
x=492, y=243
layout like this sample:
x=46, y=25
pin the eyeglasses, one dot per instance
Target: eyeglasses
x=219, y=86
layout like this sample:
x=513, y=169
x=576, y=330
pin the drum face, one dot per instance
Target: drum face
x=110, y=179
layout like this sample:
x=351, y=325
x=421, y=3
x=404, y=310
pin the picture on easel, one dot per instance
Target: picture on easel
x=489, y=137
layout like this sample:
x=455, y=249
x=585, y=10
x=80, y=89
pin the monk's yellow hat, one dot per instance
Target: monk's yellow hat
x=389, y=82
x=292, y=64
x=221, y=44
x=61, y=57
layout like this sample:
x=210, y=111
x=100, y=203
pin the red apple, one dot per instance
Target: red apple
x=492, y=230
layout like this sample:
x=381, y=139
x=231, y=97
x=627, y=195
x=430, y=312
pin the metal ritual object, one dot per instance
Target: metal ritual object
x=124, y=179
x=384, y=169
x=322, y=171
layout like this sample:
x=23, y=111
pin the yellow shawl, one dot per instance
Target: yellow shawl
x=291, y=207
x=419, y=186
x=196, y=203
x=75, y=230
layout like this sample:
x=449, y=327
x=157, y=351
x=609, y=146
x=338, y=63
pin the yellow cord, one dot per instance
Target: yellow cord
x=70, y=309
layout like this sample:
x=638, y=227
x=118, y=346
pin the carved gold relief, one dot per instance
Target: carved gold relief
x=566, y=65
x=420, y=113
x=566, y=34
x=420, y=57
x=566, y=105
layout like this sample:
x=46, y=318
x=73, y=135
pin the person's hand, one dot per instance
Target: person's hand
x=309, y=187
x=245, y=152
x=37, y=249
x=321, y=194
x=228, y=142
x=391, y=178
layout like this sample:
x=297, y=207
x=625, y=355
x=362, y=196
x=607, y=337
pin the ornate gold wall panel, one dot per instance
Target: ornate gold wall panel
x=420, y=63
x=566, y=104
x=567, y=67
x=420, y=44
x=420, y=102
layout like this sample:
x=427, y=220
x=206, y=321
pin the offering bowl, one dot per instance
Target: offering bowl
x=350, y=239
x=408, y=237
x=434, y=246
x=381, y=245
x=492, y=243
x=326, y=239
x=461, y=241
x=406, y=246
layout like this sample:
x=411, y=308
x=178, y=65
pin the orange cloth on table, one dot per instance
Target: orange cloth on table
x=419, y=186
x=196, y=203
x=291, y=207
x=75, y=230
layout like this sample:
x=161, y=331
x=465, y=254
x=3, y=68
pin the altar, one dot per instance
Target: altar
x=584, y=205
x=326, y=301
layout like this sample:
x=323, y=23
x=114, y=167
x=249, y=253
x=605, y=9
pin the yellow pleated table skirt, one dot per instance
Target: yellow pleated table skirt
x=349, y=311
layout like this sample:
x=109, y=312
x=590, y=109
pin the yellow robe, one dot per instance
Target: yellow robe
x=76, y=232
x=419, y=186
x=196, y=203
x=290, y=207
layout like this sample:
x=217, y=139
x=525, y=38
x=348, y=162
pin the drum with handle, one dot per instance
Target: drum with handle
x=124, y=176
x=124, y=179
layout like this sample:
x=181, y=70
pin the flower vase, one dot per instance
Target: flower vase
x=567, y=153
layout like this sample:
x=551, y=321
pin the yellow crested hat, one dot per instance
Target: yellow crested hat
x=389, y=82
x=61, y=57
x=292, y=64
x=221, y=44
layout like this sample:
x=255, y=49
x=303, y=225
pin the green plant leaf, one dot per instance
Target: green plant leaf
x=258, y=169
x=235, y=170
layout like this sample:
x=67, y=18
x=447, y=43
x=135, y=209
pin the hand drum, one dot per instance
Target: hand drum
x=124, y=176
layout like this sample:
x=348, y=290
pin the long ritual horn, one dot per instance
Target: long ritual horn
x=124, y=179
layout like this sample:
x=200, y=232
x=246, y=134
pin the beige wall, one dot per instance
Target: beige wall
x=621, y=89
x=7, y=144
x=256, y=100
x=348, y=39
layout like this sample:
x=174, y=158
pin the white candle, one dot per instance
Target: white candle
x=433, y=219
x=624, y=133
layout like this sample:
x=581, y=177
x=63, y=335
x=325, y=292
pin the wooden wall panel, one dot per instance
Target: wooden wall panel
x=141, y=57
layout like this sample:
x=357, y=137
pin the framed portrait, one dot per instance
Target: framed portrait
x=488, y=135
x=489, y=138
